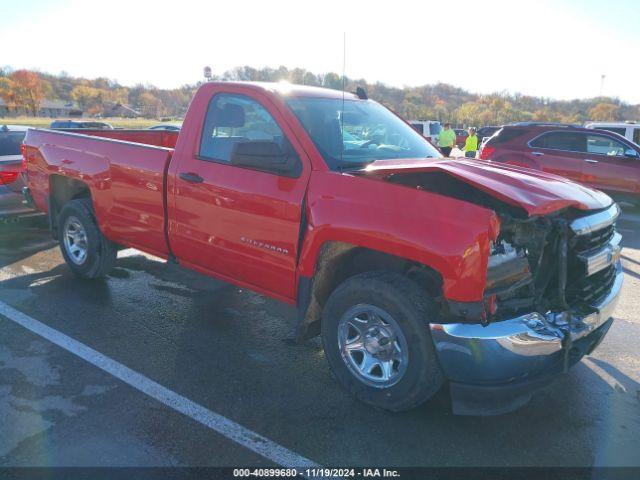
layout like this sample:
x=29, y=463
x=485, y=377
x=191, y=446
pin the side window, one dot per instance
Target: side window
x=636, y=136
x=567, y=141
x=602, y=145
x=234, y=120
x=539, y=142
x=619, y=131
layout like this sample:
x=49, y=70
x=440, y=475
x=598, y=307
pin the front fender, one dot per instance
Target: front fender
x=448, y=235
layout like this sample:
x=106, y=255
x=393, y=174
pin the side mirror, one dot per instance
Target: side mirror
x=266, y=156
x=631, y=153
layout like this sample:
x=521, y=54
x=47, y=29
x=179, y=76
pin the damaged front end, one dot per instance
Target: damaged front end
x=552, y=283
x=558, y=265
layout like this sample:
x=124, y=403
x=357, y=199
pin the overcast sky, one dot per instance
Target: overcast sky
x=555, y=49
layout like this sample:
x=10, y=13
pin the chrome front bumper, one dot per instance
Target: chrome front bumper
x=517, y=349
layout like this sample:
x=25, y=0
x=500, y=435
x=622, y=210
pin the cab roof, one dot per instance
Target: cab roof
x=292, y=90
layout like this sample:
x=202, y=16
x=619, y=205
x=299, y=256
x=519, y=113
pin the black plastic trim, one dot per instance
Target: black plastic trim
x=471, y=312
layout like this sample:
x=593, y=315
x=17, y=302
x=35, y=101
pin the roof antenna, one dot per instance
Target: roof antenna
x=344, y=76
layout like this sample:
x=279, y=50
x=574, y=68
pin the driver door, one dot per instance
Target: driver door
x=240, y=223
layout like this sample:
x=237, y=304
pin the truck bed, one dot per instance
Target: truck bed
x=125, y=178
x=158, y=138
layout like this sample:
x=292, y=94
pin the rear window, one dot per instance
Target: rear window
x=505, y=135
x=10, y=142
x=636, y=135
x=487, y=131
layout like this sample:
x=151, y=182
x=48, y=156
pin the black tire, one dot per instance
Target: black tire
x=100, y=253
x=411, y=309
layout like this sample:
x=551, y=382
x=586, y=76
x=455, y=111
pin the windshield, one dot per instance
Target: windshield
x=10, y=142
x=371, y=132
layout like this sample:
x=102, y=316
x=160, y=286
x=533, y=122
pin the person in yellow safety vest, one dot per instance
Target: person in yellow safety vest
x=446, y=139
x=471, y=144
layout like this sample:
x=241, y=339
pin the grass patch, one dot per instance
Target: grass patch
x=43, y=122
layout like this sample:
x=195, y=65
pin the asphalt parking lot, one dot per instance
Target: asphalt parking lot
x=225, y=350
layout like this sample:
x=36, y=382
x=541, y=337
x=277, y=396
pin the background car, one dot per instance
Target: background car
x=80, y=124
x=429, y=129
x=12, y=203
x=629, y=130
x=598, y=158
x=485, y=132
x=166, y=126
x=461, y=136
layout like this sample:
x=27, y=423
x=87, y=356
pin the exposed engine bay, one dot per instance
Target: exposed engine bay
x=528, y=266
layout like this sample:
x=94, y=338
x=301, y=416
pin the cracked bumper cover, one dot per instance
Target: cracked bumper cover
x=494, y=369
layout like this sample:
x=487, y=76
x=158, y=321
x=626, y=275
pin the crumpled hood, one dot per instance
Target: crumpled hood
x=537, y=192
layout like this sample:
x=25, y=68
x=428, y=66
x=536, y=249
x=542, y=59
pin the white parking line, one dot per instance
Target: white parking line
x=228, y=428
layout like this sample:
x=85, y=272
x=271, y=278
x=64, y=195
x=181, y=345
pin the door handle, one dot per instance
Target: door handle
x=537, y=154
x=588, y=160
x=191, y=177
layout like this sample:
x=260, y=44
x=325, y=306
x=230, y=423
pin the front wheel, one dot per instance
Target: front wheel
x=87, y=252
x=375, y=332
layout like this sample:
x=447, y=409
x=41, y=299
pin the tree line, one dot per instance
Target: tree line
x=27, y=89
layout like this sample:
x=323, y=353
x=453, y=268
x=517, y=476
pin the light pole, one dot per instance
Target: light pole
x=602, y=77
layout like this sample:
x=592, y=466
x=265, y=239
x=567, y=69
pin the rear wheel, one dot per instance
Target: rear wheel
x=376, y=338
x=87, y=252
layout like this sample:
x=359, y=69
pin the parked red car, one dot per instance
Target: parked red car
x=417, y=271
x=461, y=136
x=598, y=158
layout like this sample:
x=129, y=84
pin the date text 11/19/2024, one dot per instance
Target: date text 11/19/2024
x=317, y=472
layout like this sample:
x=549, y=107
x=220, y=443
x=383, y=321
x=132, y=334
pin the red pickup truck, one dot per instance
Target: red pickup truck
x=417, y=271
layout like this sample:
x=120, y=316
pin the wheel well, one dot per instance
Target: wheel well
x=338, y=261
x=62, y=190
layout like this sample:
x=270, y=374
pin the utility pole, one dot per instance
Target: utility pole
x=602, y=77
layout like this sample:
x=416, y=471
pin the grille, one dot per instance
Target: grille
x=583, y=290
x=590, y=290
x=593, y=241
